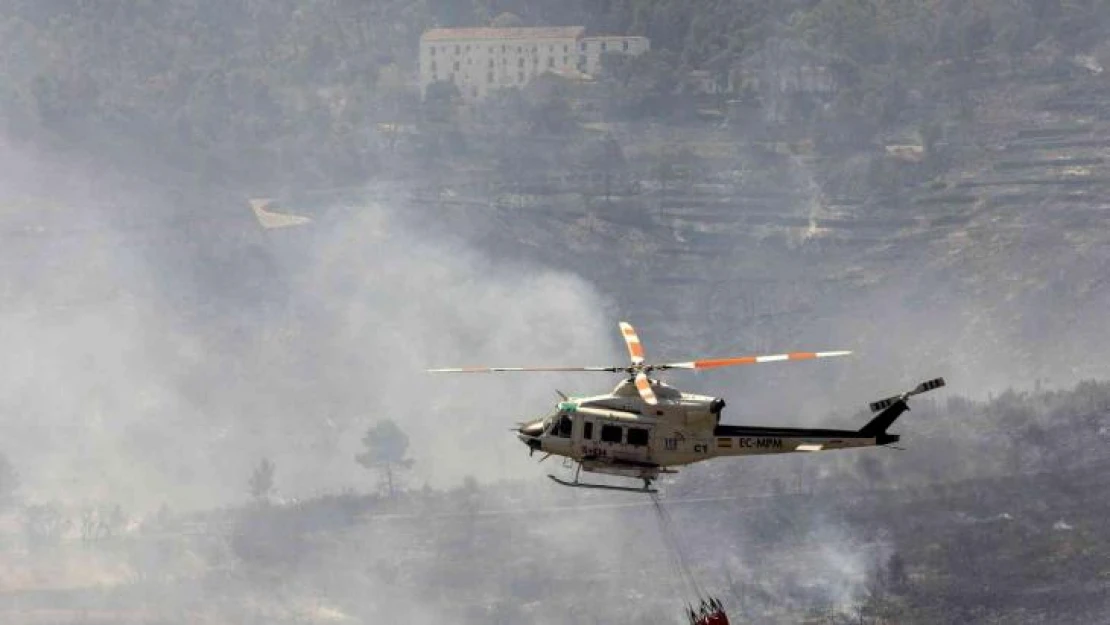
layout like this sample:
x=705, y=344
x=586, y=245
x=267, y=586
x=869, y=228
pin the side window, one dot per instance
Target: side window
x=588, y=431
x=637, y=436
x=611, y=434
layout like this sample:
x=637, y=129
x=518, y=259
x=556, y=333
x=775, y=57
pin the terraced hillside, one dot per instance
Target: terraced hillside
x=1003, y=257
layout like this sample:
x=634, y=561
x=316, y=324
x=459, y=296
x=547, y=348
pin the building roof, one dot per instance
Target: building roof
x=460, y=34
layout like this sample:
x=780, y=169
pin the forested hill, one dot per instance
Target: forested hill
x=248, y=92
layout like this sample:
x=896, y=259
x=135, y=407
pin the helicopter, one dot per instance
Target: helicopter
x=645, y=427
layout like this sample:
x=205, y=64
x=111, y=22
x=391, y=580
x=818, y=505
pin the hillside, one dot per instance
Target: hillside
x=992, y=514
x=939, y=212
x=936, y=202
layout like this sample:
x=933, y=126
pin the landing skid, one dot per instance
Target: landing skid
x=627, y=489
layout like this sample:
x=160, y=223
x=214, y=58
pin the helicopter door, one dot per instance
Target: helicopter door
x=638, y=441
x=624, y=442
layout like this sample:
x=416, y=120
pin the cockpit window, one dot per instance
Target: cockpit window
x=565, y=426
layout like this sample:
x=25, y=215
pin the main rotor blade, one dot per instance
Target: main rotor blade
x=635, y=349
x=644, y=386
x=513, y=369
x=714, y=363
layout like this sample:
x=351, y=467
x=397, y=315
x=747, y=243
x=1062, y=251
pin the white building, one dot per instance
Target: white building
x=482, y=60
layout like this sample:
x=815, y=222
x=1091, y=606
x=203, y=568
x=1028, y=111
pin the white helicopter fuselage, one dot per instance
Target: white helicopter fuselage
x=619, y=433
x=644, y=427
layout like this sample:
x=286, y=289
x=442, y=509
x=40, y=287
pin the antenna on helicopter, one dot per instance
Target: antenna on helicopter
x=561, y=395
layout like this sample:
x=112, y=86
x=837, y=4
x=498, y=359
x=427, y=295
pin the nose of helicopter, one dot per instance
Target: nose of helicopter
x=529, y=434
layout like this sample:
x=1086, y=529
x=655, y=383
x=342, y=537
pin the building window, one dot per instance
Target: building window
x=565, y=60
x=551, y=61
x=550, y=48
x=519, y=49
x=520, y=76
x=456, y=66
x=458, y=49
x=624, y=45
x=489, y=77
x=603, y=46
x=520, y=62
x=611, y=434
x=433, y=67
x=588, y=431
x=566, y=48
x=583, y=46
x=503, y=47
x=637, y=436
x=474, y=92
x=432, y=50
x=491, y=63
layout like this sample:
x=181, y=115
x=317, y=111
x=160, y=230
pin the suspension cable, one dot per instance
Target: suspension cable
x=670, y=539
x=673, y=530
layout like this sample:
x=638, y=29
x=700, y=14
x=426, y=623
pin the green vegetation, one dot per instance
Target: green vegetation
x=386, y=451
